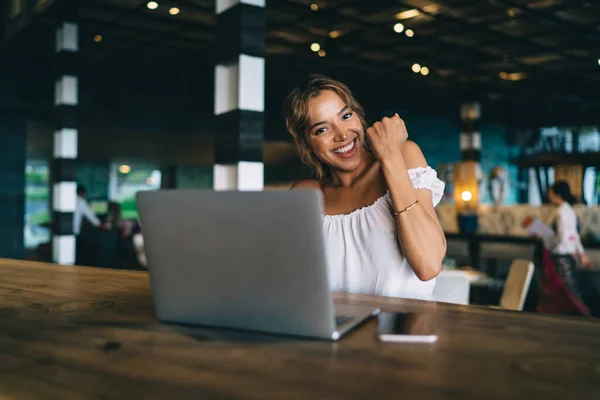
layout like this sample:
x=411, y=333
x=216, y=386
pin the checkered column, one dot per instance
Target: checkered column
x=66, y=99
x=239, y=95
x=470, y=138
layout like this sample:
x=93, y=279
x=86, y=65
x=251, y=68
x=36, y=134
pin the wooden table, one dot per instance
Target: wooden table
x=75, y=332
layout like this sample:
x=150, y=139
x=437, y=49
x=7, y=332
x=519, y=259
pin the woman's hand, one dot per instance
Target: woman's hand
x=585, y=260
x=386, y=138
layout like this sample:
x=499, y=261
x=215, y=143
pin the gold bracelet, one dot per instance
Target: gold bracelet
x=396, y=213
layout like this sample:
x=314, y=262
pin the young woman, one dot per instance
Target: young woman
x=560, y=289
x=383, y=236
x=567, y=243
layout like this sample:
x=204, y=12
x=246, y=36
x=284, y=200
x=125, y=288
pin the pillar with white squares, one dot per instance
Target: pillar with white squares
x=66, y=99
x=470, y=137
x=239, y=95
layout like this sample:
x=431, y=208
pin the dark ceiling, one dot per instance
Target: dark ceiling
x=528, y=61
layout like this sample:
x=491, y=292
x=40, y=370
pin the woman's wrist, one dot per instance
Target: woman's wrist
x=402, y=192
x=392, y=159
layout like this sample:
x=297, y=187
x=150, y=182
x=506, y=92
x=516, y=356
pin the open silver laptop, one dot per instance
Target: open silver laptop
x=242, y=260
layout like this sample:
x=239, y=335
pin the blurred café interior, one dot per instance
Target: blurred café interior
x=121, y=96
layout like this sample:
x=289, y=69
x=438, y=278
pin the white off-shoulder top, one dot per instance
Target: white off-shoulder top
x=363, y=252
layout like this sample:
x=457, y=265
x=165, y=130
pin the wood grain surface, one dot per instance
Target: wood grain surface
x=79, y=333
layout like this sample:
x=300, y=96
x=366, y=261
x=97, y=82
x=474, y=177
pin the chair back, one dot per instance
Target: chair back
x=517, y=284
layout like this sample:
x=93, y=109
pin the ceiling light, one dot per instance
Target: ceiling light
x=315, y=47
x=410, y=33
x=407, y=14
x=599, y=61
x=174, y=11
x=335, y=34
x=98, y=38
x=424, y=71
x=416, y=68
x=515, y=76
x=398, y=27
x=152, y=5
x=124, y=169
x=322, y=53
x=314, y=6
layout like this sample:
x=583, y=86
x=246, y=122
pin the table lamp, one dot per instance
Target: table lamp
x=466, y=196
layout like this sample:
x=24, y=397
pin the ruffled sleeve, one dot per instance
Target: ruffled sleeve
x=426, y=178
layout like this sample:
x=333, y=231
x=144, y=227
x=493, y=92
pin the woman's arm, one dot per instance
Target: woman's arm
x=419, y=232
x=420, y=235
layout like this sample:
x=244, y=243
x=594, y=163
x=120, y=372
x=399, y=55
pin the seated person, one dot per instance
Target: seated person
x=382, y=234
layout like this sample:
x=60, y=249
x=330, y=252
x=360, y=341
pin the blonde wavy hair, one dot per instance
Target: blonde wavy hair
x=297, y=115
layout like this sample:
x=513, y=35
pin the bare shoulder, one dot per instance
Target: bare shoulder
x=413, y=156
x=306, y=184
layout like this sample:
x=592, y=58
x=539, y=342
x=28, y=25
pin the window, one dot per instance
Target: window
x=126, y=180
x=37, y=213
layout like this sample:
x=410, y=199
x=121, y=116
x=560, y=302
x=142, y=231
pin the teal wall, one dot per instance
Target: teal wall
x=94, y=176
x=437, y=135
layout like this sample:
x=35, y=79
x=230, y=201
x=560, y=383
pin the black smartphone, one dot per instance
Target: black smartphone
x=405, y=327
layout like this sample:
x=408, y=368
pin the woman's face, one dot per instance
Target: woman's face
x=554, y=198
x=335, y=133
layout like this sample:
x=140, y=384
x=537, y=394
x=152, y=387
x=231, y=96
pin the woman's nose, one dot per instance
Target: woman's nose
x=340, y=134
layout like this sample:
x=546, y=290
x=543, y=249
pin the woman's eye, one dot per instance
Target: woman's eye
x=346, y=116
x=320, y=131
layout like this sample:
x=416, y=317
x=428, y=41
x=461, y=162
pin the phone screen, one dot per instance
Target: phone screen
x=405, y=327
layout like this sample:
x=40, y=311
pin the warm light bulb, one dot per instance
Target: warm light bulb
x=152, y=5
x=424, y=71
x=466, y=195
x=408, y=14
x=98, y=38
x=314, y=6
x=416, y=68
x=124, y=169
x=410, y=33
x=174, y=11
x=322, y=53
x=398, y=27
x=334, y=34
x=315, y=47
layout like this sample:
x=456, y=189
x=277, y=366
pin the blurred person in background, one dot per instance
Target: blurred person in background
x=83, y=213
x=567, y=243
x=563, y=255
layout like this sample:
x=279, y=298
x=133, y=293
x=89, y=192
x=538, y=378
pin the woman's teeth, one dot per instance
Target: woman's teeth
x=345, y=149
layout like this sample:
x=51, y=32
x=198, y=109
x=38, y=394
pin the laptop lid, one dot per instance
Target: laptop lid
x=245, y=260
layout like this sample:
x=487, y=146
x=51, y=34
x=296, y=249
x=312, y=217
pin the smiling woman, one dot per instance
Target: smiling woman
x=383, y=236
